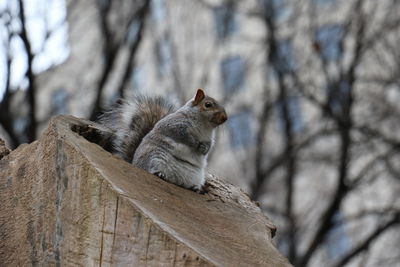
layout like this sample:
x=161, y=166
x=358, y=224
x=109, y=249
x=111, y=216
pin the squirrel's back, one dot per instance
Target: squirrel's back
x=131, y=119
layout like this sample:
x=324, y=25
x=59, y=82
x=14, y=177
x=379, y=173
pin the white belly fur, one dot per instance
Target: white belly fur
x=189, y=174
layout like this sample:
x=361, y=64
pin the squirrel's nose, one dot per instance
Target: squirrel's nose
x=224, y=117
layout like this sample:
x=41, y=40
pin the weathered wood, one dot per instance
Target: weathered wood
x=66, y=201
x=4, y=151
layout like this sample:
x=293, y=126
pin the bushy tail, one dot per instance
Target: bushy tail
x=132, y=119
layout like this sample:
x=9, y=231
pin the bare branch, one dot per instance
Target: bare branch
x=6, y=119
x=31, y=92
x=290, y=164
x=261, y=176
x=110, y=50
x=363, y=246
x=140, y=17
x=282, y=158
x=369, y=131
x=371, y=212
x=344, y=124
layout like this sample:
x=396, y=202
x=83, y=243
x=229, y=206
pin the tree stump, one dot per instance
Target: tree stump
x=67, y=201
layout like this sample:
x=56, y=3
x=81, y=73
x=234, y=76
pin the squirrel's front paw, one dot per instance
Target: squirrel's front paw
x=204, y=147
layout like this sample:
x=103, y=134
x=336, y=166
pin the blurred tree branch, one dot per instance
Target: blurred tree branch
x=110, y=52
x=140, y=18
x=7, y=116
x=112, y=47
x=274, y=60
x=5, y=113
x=364, y=245
x=345, y=124
x=31, y=92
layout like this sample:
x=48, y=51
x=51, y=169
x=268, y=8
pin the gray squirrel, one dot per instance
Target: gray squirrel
x=173, y=145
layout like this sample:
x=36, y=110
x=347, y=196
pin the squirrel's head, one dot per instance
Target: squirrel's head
x=210, y=108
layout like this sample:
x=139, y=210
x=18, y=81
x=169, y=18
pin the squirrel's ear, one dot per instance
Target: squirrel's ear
x=199, y=96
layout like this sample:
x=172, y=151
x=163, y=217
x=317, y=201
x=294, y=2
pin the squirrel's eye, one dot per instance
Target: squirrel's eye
x=208, y=104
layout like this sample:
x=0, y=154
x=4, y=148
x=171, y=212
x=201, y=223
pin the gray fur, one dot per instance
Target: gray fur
x=171, y=145
x=177, y=148
x=130, y=120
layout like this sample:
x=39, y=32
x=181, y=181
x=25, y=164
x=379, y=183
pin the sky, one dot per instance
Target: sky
x=43, y=18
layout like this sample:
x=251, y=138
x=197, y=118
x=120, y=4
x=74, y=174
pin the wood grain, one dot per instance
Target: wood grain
x=66, y=201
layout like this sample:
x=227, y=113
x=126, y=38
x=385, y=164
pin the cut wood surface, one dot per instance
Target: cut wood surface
x=67, y=201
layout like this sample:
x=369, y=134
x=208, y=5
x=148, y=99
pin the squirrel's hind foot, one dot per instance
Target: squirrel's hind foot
x=160, y=175
x=203, y=190
x=200, y=190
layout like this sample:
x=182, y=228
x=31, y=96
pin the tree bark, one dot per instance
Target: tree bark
x=66, y=201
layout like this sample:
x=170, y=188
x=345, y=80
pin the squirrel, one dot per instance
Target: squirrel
x=172, y=144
